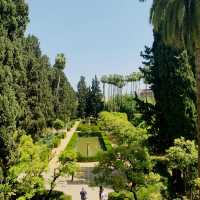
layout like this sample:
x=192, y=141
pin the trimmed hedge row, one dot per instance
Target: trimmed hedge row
x=106, y=141
x=86, y=127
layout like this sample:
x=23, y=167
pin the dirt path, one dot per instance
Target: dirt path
x=53, y=164
x=81, y=179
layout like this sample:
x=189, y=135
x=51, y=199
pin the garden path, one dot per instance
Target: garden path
x=82, y=178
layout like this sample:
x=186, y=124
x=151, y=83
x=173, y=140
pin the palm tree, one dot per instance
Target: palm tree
x=60, y=63
x=179, y=23
x=104, y=80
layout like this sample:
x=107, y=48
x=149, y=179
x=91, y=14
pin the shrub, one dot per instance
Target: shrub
x=58, y=124
x=106, y=141
x=124, y=195
x=56, y=195
x=86, y=128
x=70, y=124
x=61, y=135
x=123, y=131
x=81, y=158
x=55, y=142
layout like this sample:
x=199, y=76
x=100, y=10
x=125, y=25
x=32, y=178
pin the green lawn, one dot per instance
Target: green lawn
x=93, y=146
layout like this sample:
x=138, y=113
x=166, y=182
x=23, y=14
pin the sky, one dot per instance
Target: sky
x=97, y=36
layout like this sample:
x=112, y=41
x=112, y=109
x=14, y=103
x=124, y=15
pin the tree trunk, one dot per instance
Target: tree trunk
x=58, y=85
x=197, y=62
x=104, y=95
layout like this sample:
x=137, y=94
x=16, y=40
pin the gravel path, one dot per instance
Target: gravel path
x=53, y=164
x=81, y=179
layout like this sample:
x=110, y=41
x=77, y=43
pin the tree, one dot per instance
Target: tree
x=23, y=181
x=14, y=17
x=125, y=168
x=82, y=97
x=60, y=63
x=183, y=156
x=94, y=99
x=67, y=165
x=168, y=72
x=180, y=25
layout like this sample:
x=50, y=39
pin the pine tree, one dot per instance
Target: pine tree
x=82, y=92
x=95, y=99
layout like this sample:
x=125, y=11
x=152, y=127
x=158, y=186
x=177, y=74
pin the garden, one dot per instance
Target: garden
x=88, y=142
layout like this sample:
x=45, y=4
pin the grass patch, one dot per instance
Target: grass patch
x=88, y=145
x=96, y=142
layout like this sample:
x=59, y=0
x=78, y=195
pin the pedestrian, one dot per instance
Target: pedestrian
x=83, y=194
x=100, y=192
x=104, y=196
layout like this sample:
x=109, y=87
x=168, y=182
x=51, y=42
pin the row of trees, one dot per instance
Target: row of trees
x=113, y=88
x=33, y=94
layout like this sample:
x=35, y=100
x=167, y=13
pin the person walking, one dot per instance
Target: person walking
x=100, y=192
x=104, y=196
x=83, y=194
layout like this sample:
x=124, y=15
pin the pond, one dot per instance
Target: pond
x=88, y=146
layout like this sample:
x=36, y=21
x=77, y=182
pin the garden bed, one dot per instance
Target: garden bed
x=88, y=145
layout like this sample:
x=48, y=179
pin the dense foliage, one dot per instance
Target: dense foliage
x=90, y=98
x=121, y=129
x=30, y=100
x=171, y=77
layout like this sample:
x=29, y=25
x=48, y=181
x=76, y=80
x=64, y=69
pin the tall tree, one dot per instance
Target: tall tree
x=94, y=99
x=171, y=78
x=14, y=17
x=82, y=97
x=60, y=63
x=180, y=25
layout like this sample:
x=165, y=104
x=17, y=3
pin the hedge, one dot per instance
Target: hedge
x=124, y=195
x=86, y=127
x=58, y=124
x=56, y=195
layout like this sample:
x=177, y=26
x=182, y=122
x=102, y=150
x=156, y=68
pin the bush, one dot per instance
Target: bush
x=70, y=124
x=55, y=142
x=81, y=158
x=56, y=195
x=124, y=195
x=61, y=135
x=106, y=141
x=86, y=128
x=58, y=124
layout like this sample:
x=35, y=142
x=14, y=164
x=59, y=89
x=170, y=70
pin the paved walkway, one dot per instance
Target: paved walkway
x=81, y=179
x=53, y=164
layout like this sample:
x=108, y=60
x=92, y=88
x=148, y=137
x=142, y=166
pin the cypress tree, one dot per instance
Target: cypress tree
x=171, y=77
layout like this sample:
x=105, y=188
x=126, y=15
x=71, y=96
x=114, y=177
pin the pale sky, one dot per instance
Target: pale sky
x=97, y=36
